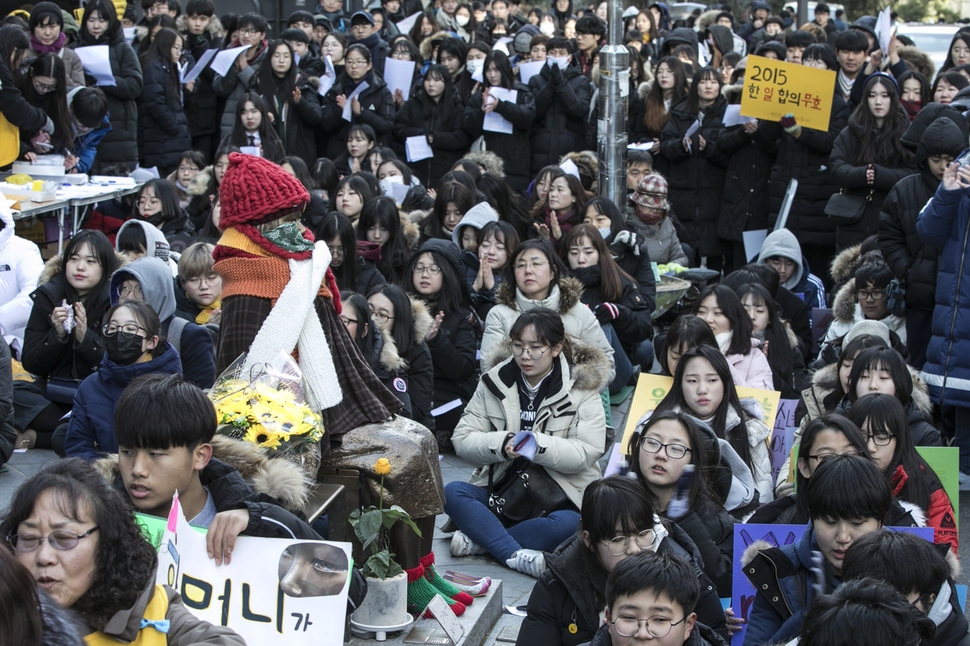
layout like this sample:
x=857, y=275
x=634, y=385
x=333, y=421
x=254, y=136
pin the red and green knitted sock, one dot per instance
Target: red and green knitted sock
x=421, y=592
x=443, y=586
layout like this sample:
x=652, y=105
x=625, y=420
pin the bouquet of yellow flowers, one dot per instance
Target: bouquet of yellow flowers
x=267, y=407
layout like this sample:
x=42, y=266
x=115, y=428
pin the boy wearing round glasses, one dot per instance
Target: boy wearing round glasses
x=651, y=597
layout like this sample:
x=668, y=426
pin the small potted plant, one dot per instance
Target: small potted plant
x=387, y=583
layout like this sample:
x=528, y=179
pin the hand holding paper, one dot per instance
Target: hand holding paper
x=524, y=444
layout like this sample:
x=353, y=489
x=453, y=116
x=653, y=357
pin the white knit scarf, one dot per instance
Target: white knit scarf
x=293, y=323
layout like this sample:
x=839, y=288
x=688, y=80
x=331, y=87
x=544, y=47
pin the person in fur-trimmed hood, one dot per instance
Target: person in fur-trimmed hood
x=533, y=279
x=549, y=388
x=863, y=298
x=853, y=498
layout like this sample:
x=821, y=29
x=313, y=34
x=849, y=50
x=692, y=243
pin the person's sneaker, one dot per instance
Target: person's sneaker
x=461, y=545
x=531, y=562
x=964, y=481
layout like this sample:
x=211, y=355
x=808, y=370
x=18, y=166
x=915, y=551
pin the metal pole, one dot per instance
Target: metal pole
x=802, y=14
x=614, y=90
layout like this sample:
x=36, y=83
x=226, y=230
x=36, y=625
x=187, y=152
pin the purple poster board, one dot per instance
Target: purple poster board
x=742, y=592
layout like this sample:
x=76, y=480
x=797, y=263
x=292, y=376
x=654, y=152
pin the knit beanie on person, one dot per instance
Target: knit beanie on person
x=255, y=191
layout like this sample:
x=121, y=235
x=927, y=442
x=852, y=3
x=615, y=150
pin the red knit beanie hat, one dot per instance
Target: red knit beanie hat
x=255, y=190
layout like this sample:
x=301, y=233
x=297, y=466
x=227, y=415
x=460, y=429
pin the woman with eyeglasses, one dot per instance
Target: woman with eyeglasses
x=133, y=348
x=660, y=452
x=62, y=341
x=548, y=388
x=889, y=441
x=44, y=86
x=80, y=542
x=534, y=279
x=359, y=96
x=405, y=324
x=618, y=520
x=437, y=280
x=157, y=203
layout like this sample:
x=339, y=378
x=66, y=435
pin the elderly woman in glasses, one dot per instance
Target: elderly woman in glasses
x=79, y=540
x=619, y=520
x=132, y=349
x=535, y=419
x=534, y=279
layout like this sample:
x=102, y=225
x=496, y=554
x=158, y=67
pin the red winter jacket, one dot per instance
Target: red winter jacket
x=940, y=514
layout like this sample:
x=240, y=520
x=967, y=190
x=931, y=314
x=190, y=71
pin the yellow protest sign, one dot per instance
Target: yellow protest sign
x=773, y=89
x=651, y=389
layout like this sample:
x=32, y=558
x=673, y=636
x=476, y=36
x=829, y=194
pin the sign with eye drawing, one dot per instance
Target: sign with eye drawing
x=274, y=591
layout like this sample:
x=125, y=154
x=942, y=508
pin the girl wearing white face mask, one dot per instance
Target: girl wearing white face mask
x=630, y=251
x=465, y=19
x=492, y=98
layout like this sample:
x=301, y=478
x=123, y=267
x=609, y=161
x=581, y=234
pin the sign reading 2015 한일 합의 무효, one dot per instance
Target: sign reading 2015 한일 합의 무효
x=773, y=89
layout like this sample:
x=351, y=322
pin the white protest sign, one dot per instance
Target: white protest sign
x=530, y=69
x=493, y=121
x=348, y=111
x=275, y=591
x=328, y=79
x=398, y=75
x=884, y=30
x=418, y=148
x=96, y=62
x=405, y=25
x=197, y=69
x=224, y=59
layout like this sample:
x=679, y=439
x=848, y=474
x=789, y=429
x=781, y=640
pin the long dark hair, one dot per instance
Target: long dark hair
x=365, y=324
x=448, y=193
x=737, y=436
x=729, y=303
x=165, y=192
x=267, y=134
x=338, y=225
x=101, y=248
x=692, y=103
x=881, y=145
x=781, y=356
x=107, y=11
x=656, y=114
x=442, y=110
x=161, y=51
x=383, y=211
x=882, y=358
x=501, y=232
x=23, y=623
x=403, y=327
x=54, y=103
x=611, y=275
x=415, y=33
x=125, y=562
x=453, y=296
x=849, y=352
x=504, y=67
x=507, y=203
x=686, y=333
x=271, y=86
x=13, y=40
x=699, y=495
x=884, y=413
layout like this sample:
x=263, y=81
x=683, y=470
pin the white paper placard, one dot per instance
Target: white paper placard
x=884, y=30
x=399, y=75
x=732, y=116
x=418, y=148
x=250, y=150
x=328, y=79
x=493, y=121
x=530, y=69
x=405, y=25
x=446, y=618
x=348, y=111
x=224, y=59
x=570, y=168
x=753, y=240
x=97, y=62
x=268, y=593
x=197, y=69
